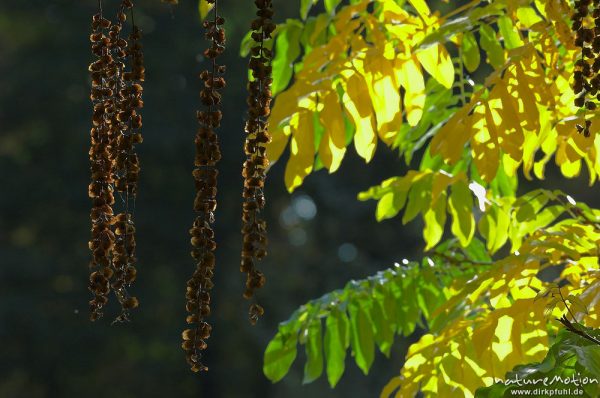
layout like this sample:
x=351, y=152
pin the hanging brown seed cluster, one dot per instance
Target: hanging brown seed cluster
x=254, y=171
x=114, y=165
x=101, y=189
x=586, y=25
x=205, y=174
x=126, y=168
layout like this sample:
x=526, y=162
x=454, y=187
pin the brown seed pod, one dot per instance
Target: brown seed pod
x=205, y=174
x=126, y=124
x=257, y=137
x=114, y=164
x=100, y=189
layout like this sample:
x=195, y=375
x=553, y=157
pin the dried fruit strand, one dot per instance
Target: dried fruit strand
x=116, y=97
x=205, y=174
x=254, y=230
x=101, y=186
x=127, y=124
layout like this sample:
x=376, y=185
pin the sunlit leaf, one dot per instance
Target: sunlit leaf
x=470, y=52
x=279, y=356
x=337, y=340
x=314, y=351
x=491, y=45
x=410, y=76
x=204, y=8
x=302, y=151
x=287, y=49
x=461, y=207
x=361, y=340
x=436, y=61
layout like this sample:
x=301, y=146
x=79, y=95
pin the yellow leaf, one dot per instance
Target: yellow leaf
x=321, y=23
x=279, y=140
x=452, y=137
x=502, y=223
x=302, y=150
x=437, y=62
x=385, y=94
x=506, y=117
x=461, y=207
x=349, y=13
x=392, y=12
x=390, y=387
x=525, y=85
x=571, y=169
x=333, y=143
x=410, y=76
x=358, y=105
x=286, y=103
x=441, y=180
x=421, y=7
x=486, y=153
x=204, y=8
x=504, y=346
x=528, y=16
x=435, y=220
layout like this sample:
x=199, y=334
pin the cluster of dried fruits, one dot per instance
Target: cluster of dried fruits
x=257, y=137
x=116, y=97
x=205, y=203
x=117, y=75
x=586, y=25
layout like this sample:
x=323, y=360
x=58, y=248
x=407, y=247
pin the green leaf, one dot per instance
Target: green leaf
x=489, y=42
x=476, y=251
x=204, y=8
x=361, y=336
x=384, y=332
x=280, y=355
x=435, y=220
x=386, y=207
x=337, y=340
x=309, y=27
x=509, y=33
x=503, y=185
x=392, y=301
x=530, y=204
x=470, y=52
x=305, y=6
x=418, y=198
x=534, y=223
x=461, y=208
x=589, y=357
x=330, y=5
x=246, y=45
x=314, y=351
x=287, y=49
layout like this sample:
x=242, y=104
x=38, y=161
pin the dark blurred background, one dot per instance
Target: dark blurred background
x=321, y=236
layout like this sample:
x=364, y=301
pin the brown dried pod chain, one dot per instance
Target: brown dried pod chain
x=205, y=174
x=586, y=85
x=127, y=123
x=112, y=243
x=101, y=187
x=257, y=136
